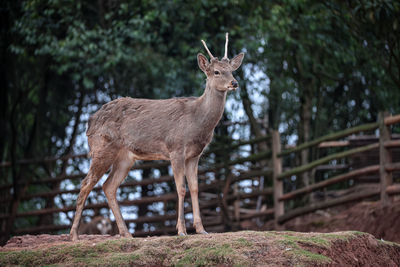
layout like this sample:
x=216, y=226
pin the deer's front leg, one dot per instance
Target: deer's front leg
x=191, y=176
x=178, y=168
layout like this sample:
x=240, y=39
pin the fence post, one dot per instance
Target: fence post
x=385, y=157
x=277, y=169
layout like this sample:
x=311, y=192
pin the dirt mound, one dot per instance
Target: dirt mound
x=246, y=248
x=369, y=217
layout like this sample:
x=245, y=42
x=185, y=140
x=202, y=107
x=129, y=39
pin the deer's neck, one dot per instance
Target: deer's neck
x=212, y=104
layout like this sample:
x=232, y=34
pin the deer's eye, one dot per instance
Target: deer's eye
x=217, y=72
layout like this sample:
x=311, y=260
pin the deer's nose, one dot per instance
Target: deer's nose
x=235, y=84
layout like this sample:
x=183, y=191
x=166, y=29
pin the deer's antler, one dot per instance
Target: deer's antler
x=226, y=48
x=208, y=51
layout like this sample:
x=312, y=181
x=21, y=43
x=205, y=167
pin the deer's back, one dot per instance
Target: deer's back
x=144, y=125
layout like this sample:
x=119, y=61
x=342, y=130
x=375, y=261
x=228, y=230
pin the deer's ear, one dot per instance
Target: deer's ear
x=203, y=62
x=236, y=61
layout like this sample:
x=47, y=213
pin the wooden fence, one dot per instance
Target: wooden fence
x=385, y=168
x=233, y=190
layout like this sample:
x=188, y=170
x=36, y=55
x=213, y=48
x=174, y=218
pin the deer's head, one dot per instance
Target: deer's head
x=219, y=72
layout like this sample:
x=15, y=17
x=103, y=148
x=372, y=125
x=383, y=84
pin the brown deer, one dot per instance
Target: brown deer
x=99, y=225
x=177, y=129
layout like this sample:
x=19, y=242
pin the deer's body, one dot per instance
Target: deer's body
x=178, y=129
x=149, y=129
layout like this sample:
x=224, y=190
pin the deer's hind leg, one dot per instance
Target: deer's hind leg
x=98, y=167
x=119, y=171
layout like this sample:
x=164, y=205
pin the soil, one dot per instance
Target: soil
x=245, y=248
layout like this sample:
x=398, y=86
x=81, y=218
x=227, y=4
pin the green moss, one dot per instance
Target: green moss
x=307, y=255
x=243, y=242
x=357, y=233
x=344, y=236
x=115, y=245
x=112, y=259
x=313, y=240
x=324, y=240
x=293, y=249
x=24, y=257
x=269, y=234
x=210, y=256
x=292, y=244
x=124, y=258
x=78, y=253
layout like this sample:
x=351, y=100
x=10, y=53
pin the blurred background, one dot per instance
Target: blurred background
x=312, y=69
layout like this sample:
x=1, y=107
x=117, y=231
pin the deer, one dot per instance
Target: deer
x=99, y=225
x=178, y=130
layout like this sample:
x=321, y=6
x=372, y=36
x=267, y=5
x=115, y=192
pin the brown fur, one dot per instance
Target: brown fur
x=177, y=129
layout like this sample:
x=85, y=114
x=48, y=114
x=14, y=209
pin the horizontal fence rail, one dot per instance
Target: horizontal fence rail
x=326, y=159
x=365, y=127
x=333, y=180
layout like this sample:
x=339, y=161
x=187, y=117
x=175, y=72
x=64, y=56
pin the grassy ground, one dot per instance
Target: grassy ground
x=246, y=248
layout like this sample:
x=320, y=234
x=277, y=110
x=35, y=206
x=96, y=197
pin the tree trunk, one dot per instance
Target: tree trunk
x=262, y=146
x=304, y=133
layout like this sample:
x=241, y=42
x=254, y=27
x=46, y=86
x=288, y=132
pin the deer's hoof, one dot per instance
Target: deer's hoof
x=203, y=232
x=182, y=234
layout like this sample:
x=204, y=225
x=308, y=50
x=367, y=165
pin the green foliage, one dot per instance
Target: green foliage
x=309, y=52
